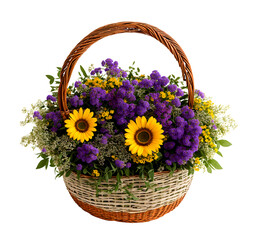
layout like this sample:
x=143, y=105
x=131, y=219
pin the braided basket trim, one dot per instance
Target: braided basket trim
x=173, y=188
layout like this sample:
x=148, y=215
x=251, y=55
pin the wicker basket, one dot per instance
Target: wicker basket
x=150, y=204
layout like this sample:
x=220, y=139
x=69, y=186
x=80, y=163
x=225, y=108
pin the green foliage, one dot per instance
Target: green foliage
x=61, y=150
x=224, y=143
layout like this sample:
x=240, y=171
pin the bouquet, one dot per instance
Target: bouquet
x=124, y=123
x=127, y=144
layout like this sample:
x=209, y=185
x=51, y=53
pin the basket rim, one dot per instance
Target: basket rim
x=126, y=177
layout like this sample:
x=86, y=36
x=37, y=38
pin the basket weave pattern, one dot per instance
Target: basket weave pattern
x=172, y=189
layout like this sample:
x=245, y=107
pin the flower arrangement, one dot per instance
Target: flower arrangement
x=123, y=123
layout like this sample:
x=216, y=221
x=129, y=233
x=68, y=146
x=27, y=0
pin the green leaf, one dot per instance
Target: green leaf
x=46, y=163
x=42, y=163
x=83, y=71
x=214, y=163
x=151, y=174
x=51, y=78
x=59, y=174
x=85, y=171
x=106, y=177
x=209, y=170
x=68, y=173
x=51, y=163
x=118, y=178
x=220, y=153
x=110, y=174
x=127, y=172
x=224, y=143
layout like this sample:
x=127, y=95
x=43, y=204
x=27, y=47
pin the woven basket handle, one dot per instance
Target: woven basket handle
x=123, y=27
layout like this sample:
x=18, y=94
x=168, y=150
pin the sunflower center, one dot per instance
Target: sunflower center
x=143, y=137
x=82, y=125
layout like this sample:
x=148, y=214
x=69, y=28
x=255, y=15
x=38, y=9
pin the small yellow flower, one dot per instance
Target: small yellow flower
x=163, y=94
x=95, y=173
x=197, y=161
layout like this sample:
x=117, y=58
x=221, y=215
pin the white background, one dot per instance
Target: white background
x=219, y=41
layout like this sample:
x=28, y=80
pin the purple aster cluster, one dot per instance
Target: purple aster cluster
x=76, y=101
x=51, y=98
x=106, y=135
x=96, y=71
x=142, y=107
x=56, y=119
x=77, y=84
x=124, y=111
x=119, y=163
x=184, y=138
x=158, y=81
x=199, y=93
x=111, y=68
x=97, y=95
x=37, y=115
x=87, y=153
x=162, y=110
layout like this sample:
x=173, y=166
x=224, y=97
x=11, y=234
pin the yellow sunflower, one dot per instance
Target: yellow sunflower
x=81, y=125
x=144, y=137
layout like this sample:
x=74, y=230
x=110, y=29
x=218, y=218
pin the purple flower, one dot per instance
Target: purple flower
x=146, y=83
x=176, y=102
x=155, y=75
x=44, y=150
x=124, y=74
x=142, y=107
x=119, y=163
x=214, y=127
x=199, y=93
x=50, y=97
x=75, y=101
x=79, y=167
x=54, y=129
x=104, y=140
x=169, y=145
x=187, y=113
x=37, y=115
x=179, y=93
x=134, y=82
x=172, y=87
x=77, y=84
x=103, y=63
x=97, y=94
x=87, y=153
x=163, y=81
x=168, y=162
x=128, y=165
x=109, y=62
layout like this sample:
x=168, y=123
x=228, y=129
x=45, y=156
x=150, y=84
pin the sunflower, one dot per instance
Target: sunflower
x=81, y=125
x=144, y=137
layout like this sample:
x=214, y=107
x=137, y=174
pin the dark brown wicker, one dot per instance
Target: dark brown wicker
x=123, y=27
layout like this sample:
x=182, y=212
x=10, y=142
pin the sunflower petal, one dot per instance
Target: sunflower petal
x=138, y=122
x=86, y=112
x=143, y=122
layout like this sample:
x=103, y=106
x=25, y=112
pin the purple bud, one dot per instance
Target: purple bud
x=79, y=167
x=128, y=165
